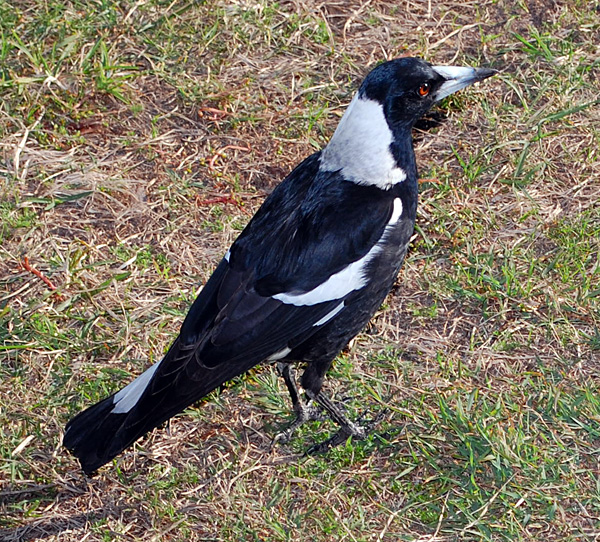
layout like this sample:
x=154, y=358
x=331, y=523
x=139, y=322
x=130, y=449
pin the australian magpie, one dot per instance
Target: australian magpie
x=304, y=276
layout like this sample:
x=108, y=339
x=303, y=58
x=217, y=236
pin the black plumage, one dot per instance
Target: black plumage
x=305, y=275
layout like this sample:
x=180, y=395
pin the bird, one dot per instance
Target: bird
x=305, y=275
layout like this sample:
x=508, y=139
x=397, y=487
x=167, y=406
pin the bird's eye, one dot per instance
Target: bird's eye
x=424, y=89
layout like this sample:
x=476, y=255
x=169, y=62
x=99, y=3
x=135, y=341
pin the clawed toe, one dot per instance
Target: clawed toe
x=304, y=413
x=354, y=430
x=358, y=432
x=315, y=409
x=281, y=438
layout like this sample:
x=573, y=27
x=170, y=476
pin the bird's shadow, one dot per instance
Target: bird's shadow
x=433, y=119
x=46, y=528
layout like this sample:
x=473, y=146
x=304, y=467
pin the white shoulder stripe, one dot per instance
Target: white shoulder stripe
x=352, y=277
x=127, y=398
x=396, y=213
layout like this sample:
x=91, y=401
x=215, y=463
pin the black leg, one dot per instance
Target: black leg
x=289, y=376
x=347, y=428
x=336, y=414
x=312, y=381
x=304, y=411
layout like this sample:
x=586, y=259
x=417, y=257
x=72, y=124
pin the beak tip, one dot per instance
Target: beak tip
x=458, y=77
x=484, y=73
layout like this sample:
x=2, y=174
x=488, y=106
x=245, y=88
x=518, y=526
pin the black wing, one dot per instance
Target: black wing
x=312, y=226
x=299, y=237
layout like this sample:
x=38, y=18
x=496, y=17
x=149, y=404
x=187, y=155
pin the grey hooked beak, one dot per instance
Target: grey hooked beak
x=458, y=77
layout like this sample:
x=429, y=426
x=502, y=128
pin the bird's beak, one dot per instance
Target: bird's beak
x=458, y=77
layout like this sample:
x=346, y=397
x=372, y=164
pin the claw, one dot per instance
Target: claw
x=308, y=411
x=353, y=430
x=304, y=413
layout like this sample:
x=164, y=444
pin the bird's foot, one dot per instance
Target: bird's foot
x=304, y=413
x=355, y=430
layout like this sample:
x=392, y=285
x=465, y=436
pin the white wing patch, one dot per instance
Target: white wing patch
x=352, y=277
x=329, y=315
x=360, y=147
x=338, y=285
x=127, y=398
x=279, y=355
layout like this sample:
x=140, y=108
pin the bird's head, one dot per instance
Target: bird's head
x=406, y=88
x=372, y=144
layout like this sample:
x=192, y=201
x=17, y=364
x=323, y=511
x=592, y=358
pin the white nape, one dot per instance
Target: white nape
x=360, y=147
x=329, y=315
x=127, y=398
x=227, y=255
x=279, y=355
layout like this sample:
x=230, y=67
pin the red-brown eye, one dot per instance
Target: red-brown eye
x=424, y=89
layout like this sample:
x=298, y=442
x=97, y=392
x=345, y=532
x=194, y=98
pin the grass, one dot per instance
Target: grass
x=137, y=139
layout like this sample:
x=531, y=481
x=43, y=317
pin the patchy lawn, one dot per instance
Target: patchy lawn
x=136, y=141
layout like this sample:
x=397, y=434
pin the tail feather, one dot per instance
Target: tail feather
x=90, y=435
x=100, y=433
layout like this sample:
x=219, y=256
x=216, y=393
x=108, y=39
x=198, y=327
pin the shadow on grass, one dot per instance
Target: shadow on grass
x=433, y=119
x=41, y=528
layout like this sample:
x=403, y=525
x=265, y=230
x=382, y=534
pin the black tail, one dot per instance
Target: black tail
x=92, y=435
x=100, y=433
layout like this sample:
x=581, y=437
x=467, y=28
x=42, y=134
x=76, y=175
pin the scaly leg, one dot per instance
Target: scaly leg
x=304, y=411
x=336, y=414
